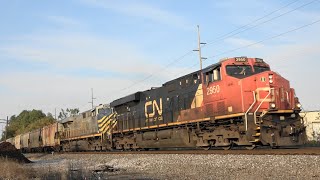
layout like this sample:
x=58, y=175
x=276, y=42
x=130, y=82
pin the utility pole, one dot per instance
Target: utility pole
x=199, y=51
x=92, y=98
x=5, y=136
x=55, y=113
x=6, y=121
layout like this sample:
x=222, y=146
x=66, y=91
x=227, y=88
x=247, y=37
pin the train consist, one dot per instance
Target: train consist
x=235, y=102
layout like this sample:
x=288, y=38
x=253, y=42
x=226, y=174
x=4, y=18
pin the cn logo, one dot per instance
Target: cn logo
x=155, y=108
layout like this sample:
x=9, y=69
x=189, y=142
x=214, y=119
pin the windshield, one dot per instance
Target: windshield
x=239, y=71
x=259, y=69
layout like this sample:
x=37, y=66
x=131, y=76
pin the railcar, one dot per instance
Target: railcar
x=50, y=139
x=45, y=139
x=35, y=143
x=17, y=141
x=235, y=102
x=24, y=142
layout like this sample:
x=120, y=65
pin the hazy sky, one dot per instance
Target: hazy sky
x=53, y=52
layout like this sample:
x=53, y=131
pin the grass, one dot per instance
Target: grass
x=13, y=170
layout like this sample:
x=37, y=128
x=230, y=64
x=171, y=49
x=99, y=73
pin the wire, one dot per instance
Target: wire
x=151, y=75
x=222, y=38
x=246, y=46
x=258, y=19
x=272, y=37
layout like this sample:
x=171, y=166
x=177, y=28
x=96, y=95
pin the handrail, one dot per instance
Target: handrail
x=245, y=115
x=255, y=112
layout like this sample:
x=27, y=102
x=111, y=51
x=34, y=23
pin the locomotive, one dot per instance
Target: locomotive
x=237, y=102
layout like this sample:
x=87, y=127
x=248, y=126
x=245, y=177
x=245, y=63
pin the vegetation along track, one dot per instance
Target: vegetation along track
x=265, y=151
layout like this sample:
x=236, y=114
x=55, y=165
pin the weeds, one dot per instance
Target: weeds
x=13, y=170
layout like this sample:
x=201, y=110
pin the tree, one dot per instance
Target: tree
x=27, y=121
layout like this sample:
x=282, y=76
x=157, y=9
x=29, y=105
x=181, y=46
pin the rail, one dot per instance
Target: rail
x=235, y=151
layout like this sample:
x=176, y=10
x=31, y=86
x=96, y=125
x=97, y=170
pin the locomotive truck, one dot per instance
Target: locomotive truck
x=237, y=102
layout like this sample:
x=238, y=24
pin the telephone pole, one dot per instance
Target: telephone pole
x=5, y=136
x=199, y=52
x=92, y=98
x=6, y=127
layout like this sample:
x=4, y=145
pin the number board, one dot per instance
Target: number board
x=241, y=59
x=259, y=60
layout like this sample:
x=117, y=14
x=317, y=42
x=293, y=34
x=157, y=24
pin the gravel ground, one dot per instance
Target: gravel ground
x=180, y=166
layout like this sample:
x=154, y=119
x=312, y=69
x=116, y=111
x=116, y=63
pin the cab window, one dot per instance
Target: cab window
x=239, y=71
x=213, y=75
x=259, y=69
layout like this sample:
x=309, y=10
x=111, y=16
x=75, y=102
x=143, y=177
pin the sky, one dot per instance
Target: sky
x=53, y=52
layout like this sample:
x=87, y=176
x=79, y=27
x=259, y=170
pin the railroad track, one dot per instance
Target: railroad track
x=299, y=151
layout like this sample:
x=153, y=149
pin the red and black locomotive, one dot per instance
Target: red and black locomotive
x=236, y=102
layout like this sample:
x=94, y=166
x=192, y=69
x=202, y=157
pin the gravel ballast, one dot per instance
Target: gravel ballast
x=183, y=166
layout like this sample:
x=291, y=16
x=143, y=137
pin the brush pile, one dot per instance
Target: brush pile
x=8, y=151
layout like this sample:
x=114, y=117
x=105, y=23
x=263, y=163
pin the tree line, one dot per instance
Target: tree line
x=29, y=120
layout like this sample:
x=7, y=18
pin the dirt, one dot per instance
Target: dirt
x=7, y=150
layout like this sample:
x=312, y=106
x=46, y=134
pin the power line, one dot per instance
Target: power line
x=151, y=75
x=272, y=37
x=254, y=27
x=271, y=19
x=258, y=19
x=246, y=46
x=225, y=36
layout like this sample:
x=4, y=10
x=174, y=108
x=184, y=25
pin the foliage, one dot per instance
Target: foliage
x=27, y=121
x=67, y=113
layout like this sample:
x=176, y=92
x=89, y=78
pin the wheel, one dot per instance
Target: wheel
x=206, y=148
x=250, y=147
x=226, y=147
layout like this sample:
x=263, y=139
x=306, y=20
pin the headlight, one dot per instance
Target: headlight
x=298, y=105
x=272, y=105
x=270, y=78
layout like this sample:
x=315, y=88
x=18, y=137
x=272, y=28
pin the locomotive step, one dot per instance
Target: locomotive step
x=256, y=140
x=256, y=135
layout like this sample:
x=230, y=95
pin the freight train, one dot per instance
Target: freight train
x=237, y=102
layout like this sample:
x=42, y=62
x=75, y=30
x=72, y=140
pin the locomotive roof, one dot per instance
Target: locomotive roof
x=136, y=96
x=206, y=69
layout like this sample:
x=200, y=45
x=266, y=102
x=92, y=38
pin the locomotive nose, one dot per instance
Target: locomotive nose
x=276, y=93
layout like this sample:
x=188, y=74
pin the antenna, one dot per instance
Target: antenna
x=199, y=51
x=92, y=98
